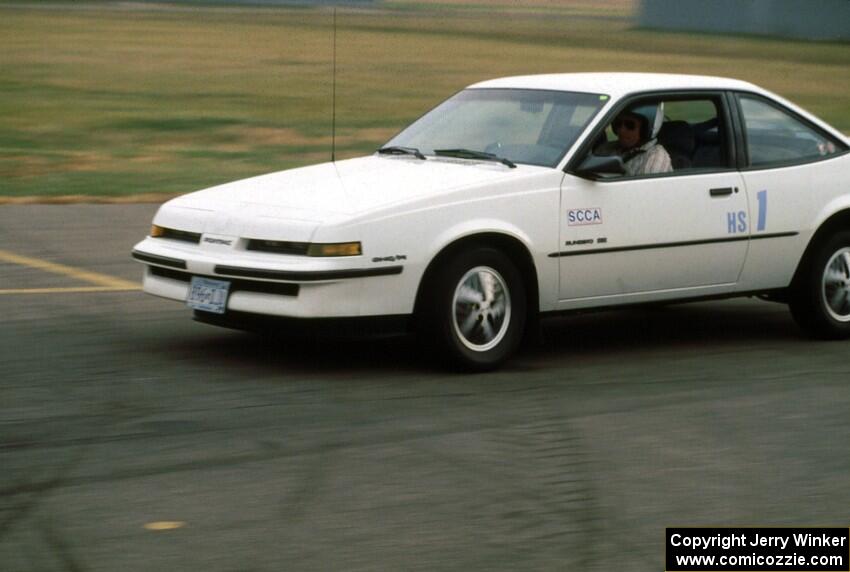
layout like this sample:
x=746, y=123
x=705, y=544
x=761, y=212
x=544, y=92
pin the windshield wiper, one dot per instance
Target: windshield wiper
x=395, y=150
x=470, y=154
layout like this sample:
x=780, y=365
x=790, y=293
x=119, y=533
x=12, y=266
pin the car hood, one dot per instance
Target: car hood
x=346, y=188
x=308, y=197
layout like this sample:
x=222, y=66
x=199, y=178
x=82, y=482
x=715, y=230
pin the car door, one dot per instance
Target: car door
x=678, y=234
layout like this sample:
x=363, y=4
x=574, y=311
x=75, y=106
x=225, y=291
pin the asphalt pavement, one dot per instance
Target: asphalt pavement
x=132, y=438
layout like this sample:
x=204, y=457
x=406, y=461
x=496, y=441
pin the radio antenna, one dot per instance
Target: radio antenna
x=333, y=96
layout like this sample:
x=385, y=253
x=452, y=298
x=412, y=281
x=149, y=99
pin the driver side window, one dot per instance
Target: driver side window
x=659, y=135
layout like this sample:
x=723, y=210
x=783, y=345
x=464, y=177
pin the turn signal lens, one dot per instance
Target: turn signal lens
x=335, y=249
x=157, y=231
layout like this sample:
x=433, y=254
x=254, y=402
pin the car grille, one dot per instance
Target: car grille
x=235, y=285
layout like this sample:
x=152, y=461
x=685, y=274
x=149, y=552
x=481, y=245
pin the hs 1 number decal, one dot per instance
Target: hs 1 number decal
x=736, y=221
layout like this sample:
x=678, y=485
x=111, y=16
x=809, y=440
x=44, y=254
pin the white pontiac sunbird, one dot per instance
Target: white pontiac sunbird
x=498, y=207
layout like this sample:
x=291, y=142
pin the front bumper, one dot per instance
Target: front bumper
x=275, y=285
x=327, y=328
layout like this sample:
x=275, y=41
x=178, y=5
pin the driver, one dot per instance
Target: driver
x=636, y=129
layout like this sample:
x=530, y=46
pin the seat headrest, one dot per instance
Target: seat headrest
x=677, y=135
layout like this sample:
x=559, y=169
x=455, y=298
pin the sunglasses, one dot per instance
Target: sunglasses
x=630, y=124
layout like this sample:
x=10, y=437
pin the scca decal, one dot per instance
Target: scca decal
x=576, y=217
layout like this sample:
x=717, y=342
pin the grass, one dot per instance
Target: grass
x=105, y=99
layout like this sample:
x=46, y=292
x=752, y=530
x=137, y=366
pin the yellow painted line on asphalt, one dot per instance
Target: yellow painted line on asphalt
x=70, y=290
x=165, y=525
x=101, y=280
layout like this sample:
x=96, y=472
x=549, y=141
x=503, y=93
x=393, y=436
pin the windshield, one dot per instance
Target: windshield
x=535, y=127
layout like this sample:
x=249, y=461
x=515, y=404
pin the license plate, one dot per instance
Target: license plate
x=208, y=295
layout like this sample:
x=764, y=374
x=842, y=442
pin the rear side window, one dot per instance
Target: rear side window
x=774, y=136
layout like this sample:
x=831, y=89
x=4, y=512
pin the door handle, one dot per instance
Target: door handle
x=722, y=191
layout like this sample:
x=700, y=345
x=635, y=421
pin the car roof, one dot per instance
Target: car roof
x=620, y=84
x=616, y=84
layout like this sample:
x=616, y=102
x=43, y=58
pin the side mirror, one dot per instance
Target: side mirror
x=594, y=165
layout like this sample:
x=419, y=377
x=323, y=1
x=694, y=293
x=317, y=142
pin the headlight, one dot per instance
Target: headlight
x=174, y=234
x=335, y=249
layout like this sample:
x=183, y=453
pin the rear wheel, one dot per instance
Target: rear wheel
x=475, y=310
x=820, y=302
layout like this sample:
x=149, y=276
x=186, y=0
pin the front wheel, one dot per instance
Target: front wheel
x=476, y=309
x=820, y=302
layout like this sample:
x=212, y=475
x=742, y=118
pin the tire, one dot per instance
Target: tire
x=820, y=301
x=475, y=309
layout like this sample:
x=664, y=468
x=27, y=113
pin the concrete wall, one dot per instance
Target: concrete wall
x=810, y=19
